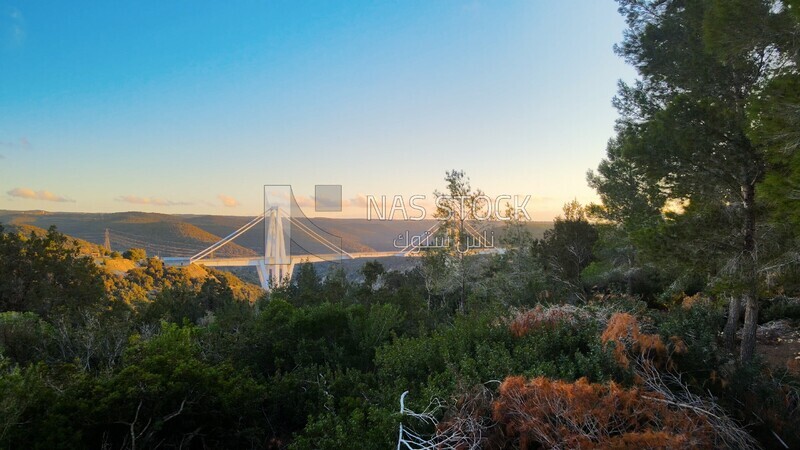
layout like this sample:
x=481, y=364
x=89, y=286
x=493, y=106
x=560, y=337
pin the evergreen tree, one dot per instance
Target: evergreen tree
x=684, y=133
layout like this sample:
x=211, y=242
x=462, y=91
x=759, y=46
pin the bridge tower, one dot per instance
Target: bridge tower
x=277, y=266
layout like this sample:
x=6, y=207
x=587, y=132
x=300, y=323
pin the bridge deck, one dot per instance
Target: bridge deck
x=244, y=261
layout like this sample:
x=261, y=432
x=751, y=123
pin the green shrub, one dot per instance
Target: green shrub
x=24, y=337
x=781, y=308
x=698, y=327
x=135, y=254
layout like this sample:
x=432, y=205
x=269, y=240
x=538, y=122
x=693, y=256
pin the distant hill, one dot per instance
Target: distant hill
x=84, y=247
x=159, y=234
x=185, y=235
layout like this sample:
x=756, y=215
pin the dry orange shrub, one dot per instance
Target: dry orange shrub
x=689, y=302
x=541, y=317
x=581, y=415
x=623, y=330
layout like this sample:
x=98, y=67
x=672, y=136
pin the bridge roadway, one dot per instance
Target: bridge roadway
x=272, y=268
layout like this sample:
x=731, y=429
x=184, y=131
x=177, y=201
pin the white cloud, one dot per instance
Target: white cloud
x=228, y=201
x=27, y=193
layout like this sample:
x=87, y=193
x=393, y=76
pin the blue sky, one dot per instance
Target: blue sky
x=190, y=107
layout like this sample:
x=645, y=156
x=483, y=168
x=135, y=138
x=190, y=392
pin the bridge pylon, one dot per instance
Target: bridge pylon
x=277, y=265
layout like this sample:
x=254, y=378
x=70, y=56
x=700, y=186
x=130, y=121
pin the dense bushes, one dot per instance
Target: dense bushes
x=322, y=363
x=45, y=275
x=781, y=308
x=162, y=394
x=135, y=254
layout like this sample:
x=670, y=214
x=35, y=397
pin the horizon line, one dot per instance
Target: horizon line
x=33, y=211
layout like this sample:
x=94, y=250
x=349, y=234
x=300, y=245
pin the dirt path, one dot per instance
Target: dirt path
x=779, y=344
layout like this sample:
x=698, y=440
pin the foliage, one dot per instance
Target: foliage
x=24, y=337
x=631, y=344
x=478, y=349
x=134, y=254
x=515, y=277
x=766, y=398
x=372, y=270
x=697, y=323
x=557, y=414
x=567, y=248
x=781, y=308
x=322, y=361
x=683, y=174
x=164, y=393
x=462, y=213
x=530, y=321
x=46, y=275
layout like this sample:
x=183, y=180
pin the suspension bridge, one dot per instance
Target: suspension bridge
x=277, y=264
x=283, y=246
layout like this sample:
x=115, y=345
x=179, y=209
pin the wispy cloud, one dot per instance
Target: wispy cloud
x=155, y=201
x=228, y=201
x=12, y=28
x=27, y=193
x=22, y=144
x=359, y=200
x=304, y=201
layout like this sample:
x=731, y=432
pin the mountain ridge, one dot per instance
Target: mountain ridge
x=185, y=234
